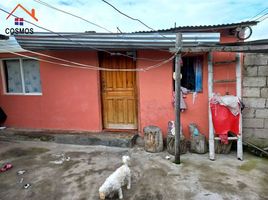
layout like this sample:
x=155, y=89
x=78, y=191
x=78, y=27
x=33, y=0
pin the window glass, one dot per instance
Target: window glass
x=22, y=76
x=31, y=75
x=191, y=73
x=188, y=73
x=13, y=76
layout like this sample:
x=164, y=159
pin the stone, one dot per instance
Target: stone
x=262, y=113
x=264, y=92
x=254, y=102
x=198, y=141
x=255, y=95
x=153, y=139
x=254, y=81
x=266, y=123
x=248, y=113
x=251, y=92
x=247, y=132
x=261, y=133
x=253, y=123
x=263, y=70
x=139, y=141
x=260, y=143
x=171, y=145
x=255, y=59
x=222, y=148
x=251, y=71
x=171, y=139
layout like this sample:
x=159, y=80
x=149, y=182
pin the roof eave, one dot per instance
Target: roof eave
x=204, y=28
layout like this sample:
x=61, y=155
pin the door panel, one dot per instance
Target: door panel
x=118, y=93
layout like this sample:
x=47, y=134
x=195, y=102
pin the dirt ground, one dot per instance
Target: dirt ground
x=153, y=177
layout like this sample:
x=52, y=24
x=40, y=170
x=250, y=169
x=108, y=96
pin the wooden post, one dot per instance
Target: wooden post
x=177, y=96
x=239, y=95
x=210, y=92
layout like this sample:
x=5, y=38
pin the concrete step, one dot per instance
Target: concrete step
x=115, y=139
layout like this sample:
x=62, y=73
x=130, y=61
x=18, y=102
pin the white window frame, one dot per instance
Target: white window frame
x=22, y=78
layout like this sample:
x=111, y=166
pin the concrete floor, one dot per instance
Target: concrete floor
x=153, y=177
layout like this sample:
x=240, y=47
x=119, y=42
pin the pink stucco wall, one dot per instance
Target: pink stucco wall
x=71, y=97
x=156, y=100
x=155, y=91
x=69, y=100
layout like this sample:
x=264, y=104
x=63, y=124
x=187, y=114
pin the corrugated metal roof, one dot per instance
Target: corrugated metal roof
x=10, y=45
x=111, y=41
x=204, y=27
x=253, y=42
x=256, y=46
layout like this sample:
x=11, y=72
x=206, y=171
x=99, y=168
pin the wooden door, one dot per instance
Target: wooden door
x=119, y=99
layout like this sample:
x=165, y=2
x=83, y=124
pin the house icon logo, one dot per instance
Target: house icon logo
x=19, y=21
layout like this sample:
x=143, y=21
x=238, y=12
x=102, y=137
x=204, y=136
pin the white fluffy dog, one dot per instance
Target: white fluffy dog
x=113, y=184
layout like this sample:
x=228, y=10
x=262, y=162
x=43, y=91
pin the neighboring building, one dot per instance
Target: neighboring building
x=255, y=97
x=38, y=94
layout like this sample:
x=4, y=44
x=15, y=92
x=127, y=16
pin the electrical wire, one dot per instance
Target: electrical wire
x=134, y=19
x=63, y=60
x=258, y=13
x=160, y=64
x=71, y=14
x=264, y=19
x=44, y=60
x=97, y=49
x=85, y=66
x=259, y=18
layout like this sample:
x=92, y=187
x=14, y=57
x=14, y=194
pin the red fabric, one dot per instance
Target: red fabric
x=224, y=121
x=6, y=167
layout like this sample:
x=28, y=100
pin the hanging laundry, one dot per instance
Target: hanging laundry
x=233, y=103
x=194, y=96
x=183, y=106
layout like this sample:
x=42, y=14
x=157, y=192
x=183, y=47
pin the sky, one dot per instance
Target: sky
x=158, y=14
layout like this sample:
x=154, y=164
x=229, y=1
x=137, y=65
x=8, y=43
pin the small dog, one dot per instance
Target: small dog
x=113, y=184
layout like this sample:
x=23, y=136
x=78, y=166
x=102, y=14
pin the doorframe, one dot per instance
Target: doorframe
x=138, y=98
x=100, y=100
x=101, y=126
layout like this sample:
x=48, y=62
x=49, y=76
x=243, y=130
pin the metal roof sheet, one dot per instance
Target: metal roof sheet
x=116, y=41
x=10, y=44
x=205, y=27
x=256, y=46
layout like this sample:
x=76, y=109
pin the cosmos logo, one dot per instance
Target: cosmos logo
x=19, y=21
